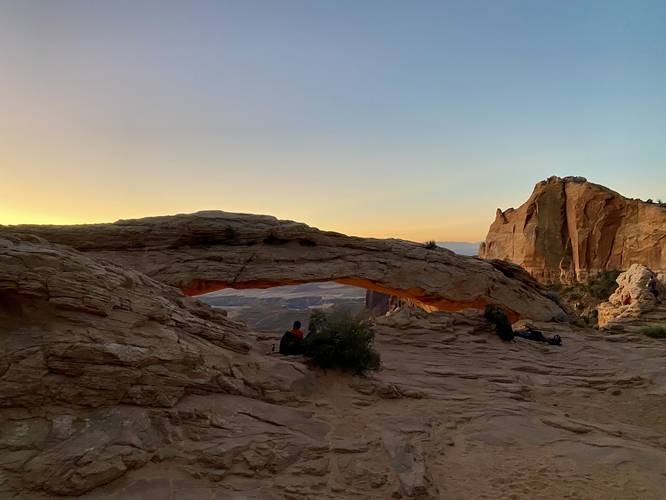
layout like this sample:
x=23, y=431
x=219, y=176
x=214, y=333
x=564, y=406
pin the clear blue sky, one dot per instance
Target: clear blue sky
x=414, y=119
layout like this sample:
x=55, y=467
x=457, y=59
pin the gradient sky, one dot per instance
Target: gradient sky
x=414, y=119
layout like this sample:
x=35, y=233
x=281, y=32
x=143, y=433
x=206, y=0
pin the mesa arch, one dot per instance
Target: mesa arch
x=208, y=251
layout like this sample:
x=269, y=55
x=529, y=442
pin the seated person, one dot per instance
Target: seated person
x=653, y=288
x=292, y=340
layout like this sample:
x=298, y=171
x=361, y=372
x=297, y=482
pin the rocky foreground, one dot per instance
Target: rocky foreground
x=115, y=385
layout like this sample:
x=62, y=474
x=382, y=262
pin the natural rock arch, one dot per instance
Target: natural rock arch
x=208, y=251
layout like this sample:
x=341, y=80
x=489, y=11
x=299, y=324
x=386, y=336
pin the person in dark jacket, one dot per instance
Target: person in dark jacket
x=653, y=288
x=292, y=340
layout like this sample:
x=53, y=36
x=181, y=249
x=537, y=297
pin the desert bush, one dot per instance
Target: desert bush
x=654, y=331
x=603, y=285
x=582, y=298
x=340, y=340
x=430, y=245
x=496, y=315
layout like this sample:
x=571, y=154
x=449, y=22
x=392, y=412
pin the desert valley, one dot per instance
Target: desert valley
x=117, y=381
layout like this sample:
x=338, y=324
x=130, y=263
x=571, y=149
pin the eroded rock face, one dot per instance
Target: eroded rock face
x=632, y=305
x=208, y=251
x=82, y=331
x=378, y=304
x=91, y=351
x=570, y=229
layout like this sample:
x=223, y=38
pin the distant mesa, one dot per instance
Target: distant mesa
x=461, y=247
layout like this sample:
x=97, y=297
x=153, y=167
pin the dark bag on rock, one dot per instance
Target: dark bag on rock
x=535, y=335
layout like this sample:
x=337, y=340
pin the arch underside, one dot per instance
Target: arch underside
x=418, y=296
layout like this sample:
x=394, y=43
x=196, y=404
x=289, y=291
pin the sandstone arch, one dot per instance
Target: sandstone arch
x=207, y=251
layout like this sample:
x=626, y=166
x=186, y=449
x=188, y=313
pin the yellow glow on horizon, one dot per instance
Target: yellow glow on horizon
x=352, y=228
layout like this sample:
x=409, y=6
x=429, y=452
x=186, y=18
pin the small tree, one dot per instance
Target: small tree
x=654, y=331
x=340, y=340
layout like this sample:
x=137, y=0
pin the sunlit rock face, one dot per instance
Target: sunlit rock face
x=633, y=305
x=208, y=251
x=570, y=229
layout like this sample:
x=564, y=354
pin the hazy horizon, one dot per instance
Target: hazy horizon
x=382, y=119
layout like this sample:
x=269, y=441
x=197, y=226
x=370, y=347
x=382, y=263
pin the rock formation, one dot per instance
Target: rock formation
x=570, y=229
x=81, y=334
x=208, y=251
x=378, y=304
x=116, y=386
x=632, y=305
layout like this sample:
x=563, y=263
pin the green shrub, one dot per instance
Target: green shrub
x=496, y=315
x=430, y=245
x=654, y=331
x=340, y=340
x=603, y=285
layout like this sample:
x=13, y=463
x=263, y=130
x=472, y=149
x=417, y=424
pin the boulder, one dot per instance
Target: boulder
x=632, y=304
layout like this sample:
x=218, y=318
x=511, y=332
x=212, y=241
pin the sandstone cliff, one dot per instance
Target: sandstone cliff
x=570, y=229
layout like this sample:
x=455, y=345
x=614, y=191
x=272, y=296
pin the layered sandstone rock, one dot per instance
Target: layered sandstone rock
x=632, y=305
x=91, y=352
x=115, y=386
x=82, y=331
x=208, y=251
x=570, y=229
